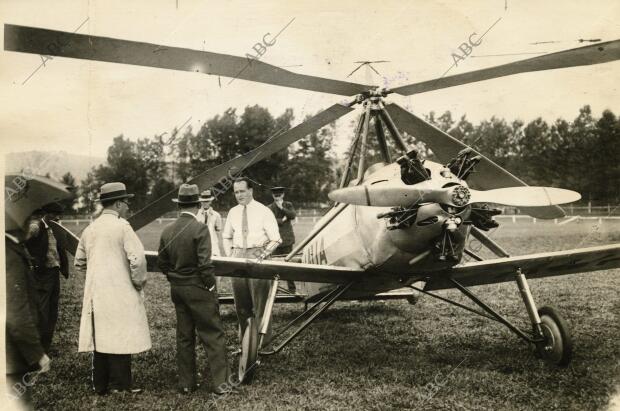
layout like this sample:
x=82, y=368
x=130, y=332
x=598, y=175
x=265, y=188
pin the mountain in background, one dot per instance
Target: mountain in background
x=56, y=163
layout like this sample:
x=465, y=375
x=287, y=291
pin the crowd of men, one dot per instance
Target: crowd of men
x=113, y=323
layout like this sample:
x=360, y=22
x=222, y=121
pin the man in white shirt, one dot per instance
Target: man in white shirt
x=251, y=231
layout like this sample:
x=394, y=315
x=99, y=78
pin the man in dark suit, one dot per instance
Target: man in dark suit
x=25, y=357
x=46, y=244
x=285, y=214
x=185, y=258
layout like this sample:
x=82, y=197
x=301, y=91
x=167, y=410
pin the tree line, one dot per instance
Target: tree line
x=581, y=155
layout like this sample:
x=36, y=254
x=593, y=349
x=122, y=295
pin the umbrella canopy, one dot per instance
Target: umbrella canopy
x=23, y=194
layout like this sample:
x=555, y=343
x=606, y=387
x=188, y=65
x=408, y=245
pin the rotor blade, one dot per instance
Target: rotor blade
x=357, y=68
x=580, y=56
x=488, y=175
x=525, y=196
x=225, y=173
x=373, y=69
x=82, y=46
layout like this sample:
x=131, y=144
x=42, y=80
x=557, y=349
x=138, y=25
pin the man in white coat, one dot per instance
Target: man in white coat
x=113, y=324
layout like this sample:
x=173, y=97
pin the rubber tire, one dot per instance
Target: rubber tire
x=249, y=352
x=557, y=332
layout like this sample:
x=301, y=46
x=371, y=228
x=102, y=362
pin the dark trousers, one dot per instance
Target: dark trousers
x=19, y=390
x=285, y=250
x=111, y=372
x=198, y=310
x=47, y=295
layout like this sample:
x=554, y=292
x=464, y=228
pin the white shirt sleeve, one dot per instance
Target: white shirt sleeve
x=227, y=235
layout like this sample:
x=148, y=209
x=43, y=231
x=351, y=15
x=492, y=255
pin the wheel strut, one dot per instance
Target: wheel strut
x=528, y=300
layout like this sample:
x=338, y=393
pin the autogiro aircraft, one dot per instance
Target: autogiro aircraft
x=399, y=227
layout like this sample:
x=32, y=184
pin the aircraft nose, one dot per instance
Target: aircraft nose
x=460, y=195
x=431, y=226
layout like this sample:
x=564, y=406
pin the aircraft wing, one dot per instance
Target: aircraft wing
x=533, y=266
x=268, y=269
x=253, y=268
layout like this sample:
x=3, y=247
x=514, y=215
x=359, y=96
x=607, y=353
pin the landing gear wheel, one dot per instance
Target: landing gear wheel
x=413, y=299
x=558, y=346
x=249, y=352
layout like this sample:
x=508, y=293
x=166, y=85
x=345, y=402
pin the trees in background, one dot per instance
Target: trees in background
x=68, y=179
x=581, y=155
x=140, y=165
x=309, y=174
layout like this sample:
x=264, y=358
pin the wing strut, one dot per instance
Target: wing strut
x=264, y=325
x=308, y=316
x=486, y=241
x=549, y=332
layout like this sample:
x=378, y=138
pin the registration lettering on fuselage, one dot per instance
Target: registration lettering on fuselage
x=315, y=253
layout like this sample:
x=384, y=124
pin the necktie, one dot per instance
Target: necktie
x=244, y=227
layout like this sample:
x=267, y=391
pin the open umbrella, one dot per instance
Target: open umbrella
x=23, y=194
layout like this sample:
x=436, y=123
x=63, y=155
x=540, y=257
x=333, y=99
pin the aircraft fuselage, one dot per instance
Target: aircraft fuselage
x=358, y=238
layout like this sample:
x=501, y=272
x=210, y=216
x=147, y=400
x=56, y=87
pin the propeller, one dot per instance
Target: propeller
x=400, y=195
x=580, y=56
x=525, y=196
x=83, y=46
x=226, y=171
x=487, y=175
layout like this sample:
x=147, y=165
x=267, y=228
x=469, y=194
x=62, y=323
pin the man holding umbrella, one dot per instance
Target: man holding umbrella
x=46, y=244
x=113, y=324
x=25, y=356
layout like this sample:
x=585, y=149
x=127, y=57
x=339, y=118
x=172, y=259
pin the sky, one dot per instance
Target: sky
x=80, y=106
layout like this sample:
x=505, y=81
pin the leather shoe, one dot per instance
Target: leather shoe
x=128, y=390
x=223, y=391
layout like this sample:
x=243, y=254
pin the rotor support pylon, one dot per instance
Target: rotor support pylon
x=346, y=175
x=364, y=147
x=385, y=153
x=389, y=123
x=374, y=113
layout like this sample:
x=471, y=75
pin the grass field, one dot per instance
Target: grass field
x=383, y=355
